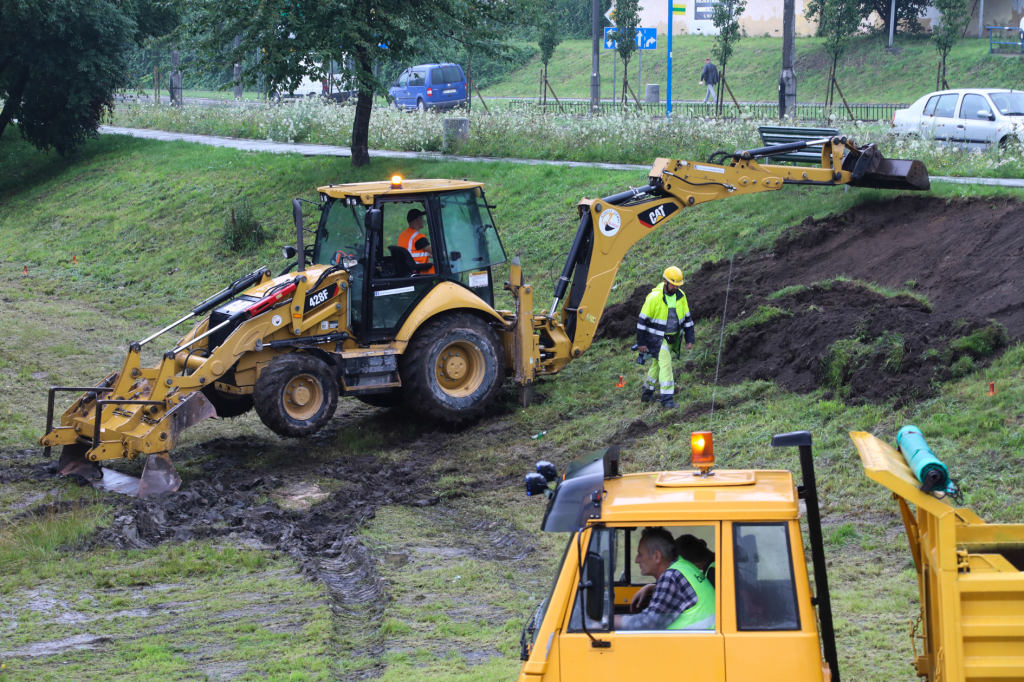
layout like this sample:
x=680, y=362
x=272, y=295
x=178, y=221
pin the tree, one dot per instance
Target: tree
x=550, y=37
x=837, y=21
x=62, y=60
x=907, y=13
x=301, y=37
x=627, y=19
x=725, y=18
x=955, y=17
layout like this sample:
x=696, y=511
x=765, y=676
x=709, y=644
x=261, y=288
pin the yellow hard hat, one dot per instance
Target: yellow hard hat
x=673, y=276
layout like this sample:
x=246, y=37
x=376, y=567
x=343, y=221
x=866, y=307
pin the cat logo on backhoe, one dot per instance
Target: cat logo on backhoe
x=657, y=214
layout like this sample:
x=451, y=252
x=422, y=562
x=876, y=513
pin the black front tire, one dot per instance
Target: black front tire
x=453, y=368
x=296, y=395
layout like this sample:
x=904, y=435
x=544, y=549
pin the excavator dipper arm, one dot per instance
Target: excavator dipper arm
x=609, y=227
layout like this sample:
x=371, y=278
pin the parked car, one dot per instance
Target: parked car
x=429, y=86
x=971, y=117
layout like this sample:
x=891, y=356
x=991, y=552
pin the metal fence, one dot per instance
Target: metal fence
x=759, y=110
x=1005, y=40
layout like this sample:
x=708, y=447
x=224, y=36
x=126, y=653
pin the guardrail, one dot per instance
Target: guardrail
x=1015, y=31
x=760, y=110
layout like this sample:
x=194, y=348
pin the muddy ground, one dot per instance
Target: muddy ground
x=958, y=259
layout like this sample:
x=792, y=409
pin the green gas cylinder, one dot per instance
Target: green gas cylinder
x=928, y=469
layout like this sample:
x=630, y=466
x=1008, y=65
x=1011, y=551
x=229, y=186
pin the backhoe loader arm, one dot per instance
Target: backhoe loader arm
x=609, y=227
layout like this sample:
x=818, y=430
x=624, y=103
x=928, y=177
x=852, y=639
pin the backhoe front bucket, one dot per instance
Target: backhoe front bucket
x=158, y=475
x=871, y=169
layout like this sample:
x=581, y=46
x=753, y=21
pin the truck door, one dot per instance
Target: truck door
x=691, y=655
x=771, y=632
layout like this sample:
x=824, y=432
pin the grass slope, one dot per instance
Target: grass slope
x=143, y=219
x=867, y=73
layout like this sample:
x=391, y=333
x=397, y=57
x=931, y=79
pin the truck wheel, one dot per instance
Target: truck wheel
x=228, y=404
x=453, y=368
x=296, y=394
x=393, y=399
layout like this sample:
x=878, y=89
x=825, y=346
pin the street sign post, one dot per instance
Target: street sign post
x=646, y=39
x=674, y=7
x=610, y=44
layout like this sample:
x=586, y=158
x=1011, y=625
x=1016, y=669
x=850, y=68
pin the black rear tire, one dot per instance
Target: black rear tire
x=453, y=368
x=228, y=404
x=296, y=395
x=392, y=399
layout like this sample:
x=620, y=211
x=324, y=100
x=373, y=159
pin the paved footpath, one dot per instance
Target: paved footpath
x=331, y=150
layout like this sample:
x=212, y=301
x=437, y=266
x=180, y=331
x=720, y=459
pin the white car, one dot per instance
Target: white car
x=970, y=117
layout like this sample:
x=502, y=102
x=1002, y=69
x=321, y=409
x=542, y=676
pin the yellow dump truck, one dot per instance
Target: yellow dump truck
x=769, y=624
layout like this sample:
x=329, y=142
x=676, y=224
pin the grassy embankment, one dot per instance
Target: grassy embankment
x=867, y=73
x=143, y=220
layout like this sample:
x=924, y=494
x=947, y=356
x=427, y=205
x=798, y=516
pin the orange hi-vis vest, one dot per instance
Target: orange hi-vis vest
x=407, y=240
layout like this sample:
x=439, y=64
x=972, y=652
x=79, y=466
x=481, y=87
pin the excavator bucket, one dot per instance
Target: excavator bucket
x=158, y=475
x=870, y=169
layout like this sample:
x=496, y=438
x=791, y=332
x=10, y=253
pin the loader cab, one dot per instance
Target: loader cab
x=365, y=227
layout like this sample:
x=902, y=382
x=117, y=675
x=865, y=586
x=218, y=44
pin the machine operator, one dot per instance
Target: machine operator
x=672, y=597
x=664, y=320
x=697, y=564
x=413, y=240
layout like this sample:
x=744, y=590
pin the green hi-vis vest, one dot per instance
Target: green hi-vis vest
x=700, y=616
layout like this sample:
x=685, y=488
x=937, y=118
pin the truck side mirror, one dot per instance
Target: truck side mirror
x=374, y=220
x=593, y=592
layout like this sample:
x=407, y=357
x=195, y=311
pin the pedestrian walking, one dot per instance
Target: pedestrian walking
x=664, y=321
x=709, y=77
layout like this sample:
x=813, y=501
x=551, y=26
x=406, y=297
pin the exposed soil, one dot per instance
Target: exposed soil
x=963, y=255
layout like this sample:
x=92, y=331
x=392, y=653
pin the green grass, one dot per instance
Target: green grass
x=867, y=73
x=476, y=564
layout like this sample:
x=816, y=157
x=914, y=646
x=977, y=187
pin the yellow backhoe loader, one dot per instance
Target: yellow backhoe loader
x=363, y=316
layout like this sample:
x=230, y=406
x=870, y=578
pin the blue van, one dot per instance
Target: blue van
x=429, y=86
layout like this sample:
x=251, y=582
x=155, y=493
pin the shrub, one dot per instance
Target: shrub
x=962, y=367
x=982, y=343
x=241, y=230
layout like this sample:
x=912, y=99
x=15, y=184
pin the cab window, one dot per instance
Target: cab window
x=625, y=579
x=342, y=230
x=471, y=242
x=765, y=588
x=403, y=81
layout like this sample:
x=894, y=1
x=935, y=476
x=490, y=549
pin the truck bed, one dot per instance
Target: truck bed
x=970, y=576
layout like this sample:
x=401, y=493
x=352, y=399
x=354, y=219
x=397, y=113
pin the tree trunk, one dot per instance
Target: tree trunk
x=545, y=83
x=361, y=122
x=13, y=99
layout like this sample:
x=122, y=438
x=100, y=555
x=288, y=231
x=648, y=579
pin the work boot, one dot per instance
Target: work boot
x=668, y=403
x=647, y=395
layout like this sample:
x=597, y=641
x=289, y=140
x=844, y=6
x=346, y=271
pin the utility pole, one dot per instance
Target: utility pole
x=981, y=16
x=238, y=70
x=787, y=79
x=892, y=22
x=595, y=59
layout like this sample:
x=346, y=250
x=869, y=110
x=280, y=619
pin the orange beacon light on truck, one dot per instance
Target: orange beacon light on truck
x=703, y=448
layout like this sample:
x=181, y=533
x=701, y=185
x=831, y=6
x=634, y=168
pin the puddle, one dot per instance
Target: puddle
x=299, y=496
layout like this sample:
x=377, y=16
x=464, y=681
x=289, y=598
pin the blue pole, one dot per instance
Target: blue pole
x=668, y=85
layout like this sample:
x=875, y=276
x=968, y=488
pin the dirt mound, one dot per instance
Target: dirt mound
x=865, y=342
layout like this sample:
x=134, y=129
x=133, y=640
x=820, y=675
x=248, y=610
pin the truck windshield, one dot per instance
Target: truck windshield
x=532, y=626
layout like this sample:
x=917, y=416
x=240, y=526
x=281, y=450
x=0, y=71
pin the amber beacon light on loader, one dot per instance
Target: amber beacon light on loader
x=768, y=622
x=393, y=303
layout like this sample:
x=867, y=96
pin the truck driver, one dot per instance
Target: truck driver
x=697, y=564
x=673, y=595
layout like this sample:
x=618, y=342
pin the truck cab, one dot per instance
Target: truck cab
x=764, y=624
x=766, y=617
